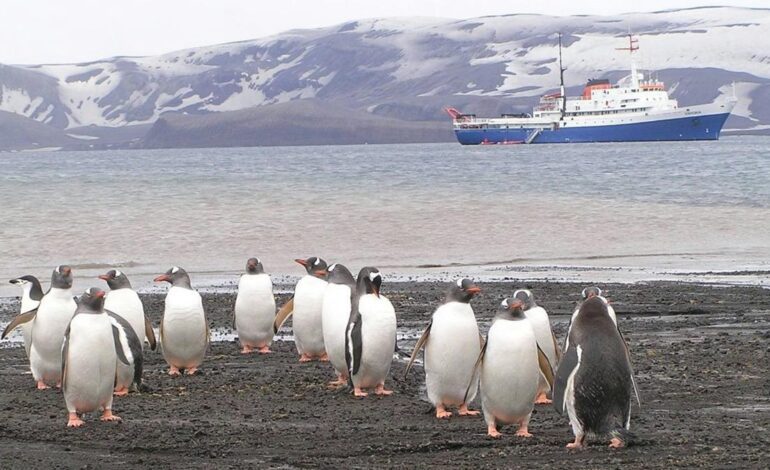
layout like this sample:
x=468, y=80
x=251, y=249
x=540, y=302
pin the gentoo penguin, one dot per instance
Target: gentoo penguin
x=538, y=317
x=306, y=308
x=452, y=345
x=53, y=315
x=594, y=380
x=588, y=293
x=371, y=335
x=255, y=309
x=89, y=355
x=336, y=313
x=30, y=299
x=124, y=301
x=184, y=332
x=511, y=363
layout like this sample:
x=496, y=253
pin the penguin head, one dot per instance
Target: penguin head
x=513, y=307
x=369, y=281
x=340, y=274
x=92, y=299
x=462, y=290
x=254, y=266
x=176, y=276
x=314, y=266
x=23, y=281
x=62, y=277
x=116, y=279
x=526, y=298
x=589, y=292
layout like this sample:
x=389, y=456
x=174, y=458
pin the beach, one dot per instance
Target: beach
x=700, y=354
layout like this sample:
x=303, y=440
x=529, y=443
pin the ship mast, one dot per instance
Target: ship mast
x=561, y=84
x=633, y=45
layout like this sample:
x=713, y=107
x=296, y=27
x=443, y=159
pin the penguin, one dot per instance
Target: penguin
x=594, y=380
x=89, y=355
x=538, y=317
x=587, y=293
x=30, y=299
x=255, y=309
x=124, y=301
x=184, y=332
x=371, y=335
x=336, y=311
x=49, y=324
x=511, y=363
x=306, y=308
x=452, y=344
x=127, y=376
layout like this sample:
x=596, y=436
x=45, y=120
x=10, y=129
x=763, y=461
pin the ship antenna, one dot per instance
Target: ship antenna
x=561, y=83
x=633, y=46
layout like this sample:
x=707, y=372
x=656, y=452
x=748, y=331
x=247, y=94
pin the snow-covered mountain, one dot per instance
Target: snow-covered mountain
x=407, y=69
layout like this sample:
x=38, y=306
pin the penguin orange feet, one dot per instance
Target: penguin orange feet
x=108, y=416
x=41, y=385
x=324, y=358
x=121, y=392
x=493, y=432
x=305, y=357
x=247, y=350
x=74, y=421
x=191, y=371
x=464, y=411
x=357, y=392
x=264, y=350
x=616, y=443
x=339, y=382
x=542, y=399
x=173, y=371
x=578, y=444
x=523, y=431
x=380, y=390
x=442, y=413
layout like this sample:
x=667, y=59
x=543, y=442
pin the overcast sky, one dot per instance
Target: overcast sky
x=57, y=31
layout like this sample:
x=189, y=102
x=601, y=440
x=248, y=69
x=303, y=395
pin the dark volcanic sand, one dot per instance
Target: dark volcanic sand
x=700, y=353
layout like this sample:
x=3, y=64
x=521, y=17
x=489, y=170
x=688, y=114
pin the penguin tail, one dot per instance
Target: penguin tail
x=625, y=436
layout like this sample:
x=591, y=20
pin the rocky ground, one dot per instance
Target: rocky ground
x=700, y=354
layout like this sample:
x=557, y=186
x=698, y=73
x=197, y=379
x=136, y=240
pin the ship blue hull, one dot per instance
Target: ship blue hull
x=685, y=128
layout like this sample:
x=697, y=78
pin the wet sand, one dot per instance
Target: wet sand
x=700, y=354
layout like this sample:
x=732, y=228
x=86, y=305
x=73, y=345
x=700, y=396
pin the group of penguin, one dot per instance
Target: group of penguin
x=92, y=346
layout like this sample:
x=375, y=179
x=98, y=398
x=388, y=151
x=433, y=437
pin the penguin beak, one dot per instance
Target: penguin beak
x=14, y=281
x=99, y=294
x=321, y=272
x=473, y=290
x=66, y=271
x=162, y=277
x=104, y=277
x=516, y=304
x=301, y=261
x=376, y=290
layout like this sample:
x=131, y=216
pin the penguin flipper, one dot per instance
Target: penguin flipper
x=556, y=347
x=283, y=314
x=353, y=345
x=475, y=368
x=546, y=368
x=64, y=354
x=134, y=344
x=19, y=320
x=119, y=347
x=630, y=367
x=149, y=333
x=567, y=365
x=419, y=345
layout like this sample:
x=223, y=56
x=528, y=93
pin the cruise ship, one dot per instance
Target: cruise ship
x=635, y=109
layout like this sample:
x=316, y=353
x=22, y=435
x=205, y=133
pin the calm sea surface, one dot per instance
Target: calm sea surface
x=663, y=207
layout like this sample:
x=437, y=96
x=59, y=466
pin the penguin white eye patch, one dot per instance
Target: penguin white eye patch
x=174, y=270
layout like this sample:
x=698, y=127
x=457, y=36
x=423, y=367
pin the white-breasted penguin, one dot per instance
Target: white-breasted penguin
x=594, y=380
x=49, y=324
x=124, y=301
x=31, y=295
x=184, y=332
x=452, y=344
x=336, y=312
x=255, y=309
x=545, y=338
x=91, y=349
x=306, y=308
x=371, y=335
x=511, y=364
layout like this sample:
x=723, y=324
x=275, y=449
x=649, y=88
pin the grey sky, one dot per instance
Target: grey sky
x=57, y=31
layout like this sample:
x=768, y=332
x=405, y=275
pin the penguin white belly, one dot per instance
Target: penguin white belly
x=184, y=330
x=450, y=354
x=27, y=304
x=126, y=303
x=541, y=326
x=335, y=316
x=90, y=364
x=510, y=372
x=255, y=310
x=48, y=327
x=307, y=320
x=378, y=340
